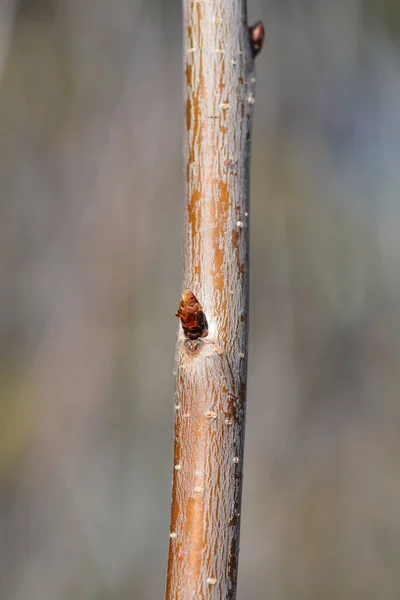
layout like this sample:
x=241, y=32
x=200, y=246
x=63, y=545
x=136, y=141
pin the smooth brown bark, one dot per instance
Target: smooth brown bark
x=211, y=356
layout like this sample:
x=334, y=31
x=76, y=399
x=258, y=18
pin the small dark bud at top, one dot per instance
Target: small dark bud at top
x=257, y=34
x=190, y=312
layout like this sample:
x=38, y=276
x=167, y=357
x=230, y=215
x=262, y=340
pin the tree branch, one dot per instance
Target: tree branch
x=211, y=356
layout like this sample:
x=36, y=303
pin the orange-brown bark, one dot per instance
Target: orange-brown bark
x=211, y=358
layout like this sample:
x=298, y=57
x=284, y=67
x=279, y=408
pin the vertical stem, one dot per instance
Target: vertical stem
x=211, y=355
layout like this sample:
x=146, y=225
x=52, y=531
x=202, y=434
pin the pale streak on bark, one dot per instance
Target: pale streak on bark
x=211, y=381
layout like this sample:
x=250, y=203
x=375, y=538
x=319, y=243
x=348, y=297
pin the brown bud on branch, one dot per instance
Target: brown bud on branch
x=257, y=35
x=190, y=312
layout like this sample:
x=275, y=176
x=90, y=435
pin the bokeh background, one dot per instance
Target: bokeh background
x=91, y=219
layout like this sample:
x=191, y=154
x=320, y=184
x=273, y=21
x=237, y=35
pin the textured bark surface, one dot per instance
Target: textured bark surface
x=211, y=370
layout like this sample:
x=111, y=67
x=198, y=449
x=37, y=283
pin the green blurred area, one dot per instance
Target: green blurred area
x=91, y=218
x=385, y=15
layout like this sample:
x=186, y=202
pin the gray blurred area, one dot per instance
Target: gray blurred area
x=91, y=220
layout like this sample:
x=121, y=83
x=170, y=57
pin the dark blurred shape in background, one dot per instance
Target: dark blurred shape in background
x=91, y=217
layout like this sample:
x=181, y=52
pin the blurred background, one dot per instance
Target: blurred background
x=91, y=220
